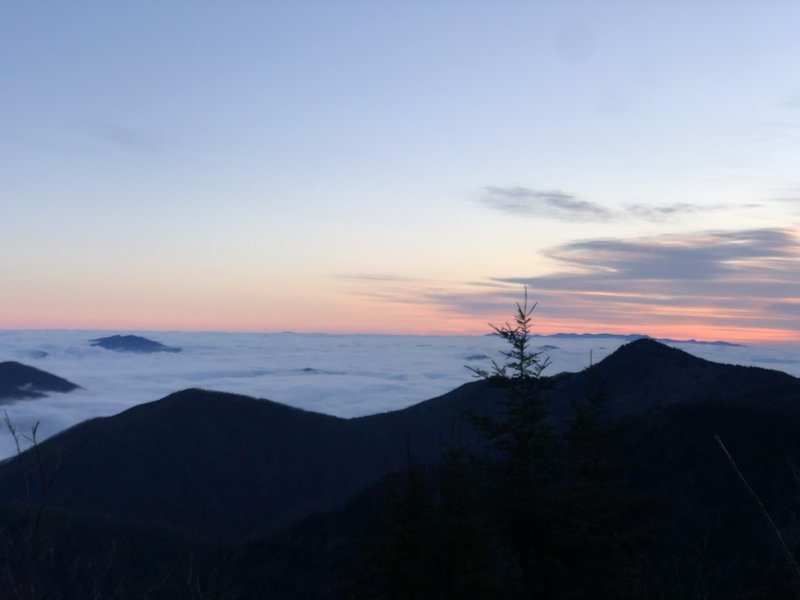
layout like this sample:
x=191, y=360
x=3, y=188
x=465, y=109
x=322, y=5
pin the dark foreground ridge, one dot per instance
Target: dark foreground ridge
x=132, y=343
x=18, y=382
x=228, y=467
x=200, y=467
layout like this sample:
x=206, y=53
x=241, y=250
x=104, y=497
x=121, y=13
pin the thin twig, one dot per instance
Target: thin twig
x=786, y=551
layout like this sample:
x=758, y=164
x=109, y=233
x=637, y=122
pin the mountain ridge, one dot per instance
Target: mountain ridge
x=253, y=466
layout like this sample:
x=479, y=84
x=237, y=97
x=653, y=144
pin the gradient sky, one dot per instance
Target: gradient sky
x=401, y=166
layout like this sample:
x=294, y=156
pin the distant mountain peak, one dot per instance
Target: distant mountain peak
x=647, y=350
x=645, y=374
x=631, y=337
x=131, y=343
x=648, y=344
x=18, y=381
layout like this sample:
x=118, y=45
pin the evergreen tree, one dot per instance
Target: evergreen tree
x=562, y=511
x=526, y=463
x=543, y=515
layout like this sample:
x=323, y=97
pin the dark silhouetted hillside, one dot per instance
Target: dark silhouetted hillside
x=225, y=466
x=222, y=467
x=18, y=381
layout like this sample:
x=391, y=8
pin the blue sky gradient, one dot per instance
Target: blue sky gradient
x=399, y=167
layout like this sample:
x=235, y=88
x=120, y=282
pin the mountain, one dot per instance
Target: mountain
x=224, y=466
x=227, y=467
x=703, y=530
x=18, y=381
x=630, y=337
x=292, y=495
x=131, y=343
x=645, y=374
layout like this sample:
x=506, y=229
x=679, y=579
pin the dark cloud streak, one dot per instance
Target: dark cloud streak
x=551, y=204
x=751, y=275
x=123, y=137
x=736, y=281
x=556, y=204
x=786, y=308
x=664, y=212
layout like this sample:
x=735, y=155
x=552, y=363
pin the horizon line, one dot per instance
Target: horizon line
x=557, y=334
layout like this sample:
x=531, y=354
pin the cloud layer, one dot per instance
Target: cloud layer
x=345, y=375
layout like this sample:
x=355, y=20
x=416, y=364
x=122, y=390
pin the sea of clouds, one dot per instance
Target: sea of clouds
x=343, y=375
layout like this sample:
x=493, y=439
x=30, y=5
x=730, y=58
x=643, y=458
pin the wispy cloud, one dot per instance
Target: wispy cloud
x=664, y=212
x=556, y=204
x=707, y=256
x=787, y=308
x=723, y=279
x=372, y=277
x=792, y=204
x=791, y=102
x=732, y=284
x=553, y=204
x=124, y=137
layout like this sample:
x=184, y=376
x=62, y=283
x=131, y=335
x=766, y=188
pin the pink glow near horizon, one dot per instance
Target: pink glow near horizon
x=433, y=322
x=734, y=286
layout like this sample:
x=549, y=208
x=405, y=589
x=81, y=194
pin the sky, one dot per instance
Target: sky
x=401, y=167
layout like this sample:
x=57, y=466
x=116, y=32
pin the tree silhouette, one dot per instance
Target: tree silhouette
x=560, y=507
x=526, y=460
